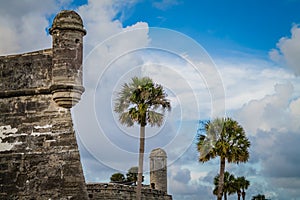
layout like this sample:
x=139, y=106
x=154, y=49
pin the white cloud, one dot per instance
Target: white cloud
x=182, y=175
x=183, y=187
x=250, y=79
x=23, y=25
x=276, y=153
x=107, y=59
x=100, y=20
x=274, y=111
x=271, y=122
x=288, y=50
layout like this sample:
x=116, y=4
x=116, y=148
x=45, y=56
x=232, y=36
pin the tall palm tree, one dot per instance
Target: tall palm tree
x=143, y=102
x=226, y=139
x=229, y=185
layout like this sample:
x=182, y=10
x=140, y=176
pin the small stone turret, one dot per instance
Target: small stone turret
x=158, y=170
x=67, y=35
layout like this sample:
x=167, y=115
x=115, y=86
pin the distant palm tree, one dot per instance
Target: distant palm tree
x=238, y=187
x=244, y=184
x=226, y=139
x=259, y=197
x=139, y=102
x=241, y=184
x=229, y=185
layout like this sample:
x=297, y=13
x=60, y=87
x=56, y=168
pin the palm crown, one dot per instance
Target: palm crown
x=224, y=138
x=139, y=102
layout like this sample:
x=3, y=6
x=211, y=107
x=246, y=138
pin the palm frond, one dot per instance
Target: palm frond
x=125, y=118
x=155, y=118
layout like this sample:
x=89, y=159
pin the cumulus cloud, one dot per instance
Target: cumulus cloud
x=100, y=19
x=277, y=154
x=183, y=187
x=183, y=175
x=23, y=24
x=94, y=171
x=288, y=50
x=247, y=79
x=271, y=112
x=106, y=60
x=272, y=123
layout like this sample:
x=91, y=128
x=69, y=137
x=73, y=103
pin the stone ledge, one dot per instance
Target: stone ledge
x=24, y=92
x=38, y=52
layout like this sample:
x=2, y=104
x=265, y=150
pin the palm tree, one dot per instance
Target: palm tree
x=226, y=139
x=259, y=197
x=229, y=185
x=241, y=184
x=244, y=184
x=139, y=102
x=238, y=187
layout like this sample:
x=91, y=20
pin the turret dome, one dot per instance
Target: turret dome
x=67, y=19
x=158, y=153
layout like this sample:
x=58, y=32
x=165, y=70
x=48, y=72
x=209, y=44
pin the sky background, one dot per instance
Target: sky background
x=215, y=58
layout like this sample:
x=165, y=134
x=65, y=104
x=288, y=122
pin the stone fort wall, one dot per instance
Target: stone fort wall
x=39, y=157
x=112, y=191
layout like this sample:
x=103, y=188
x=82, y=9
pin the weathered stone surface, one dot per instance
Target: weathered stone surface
x=38, y=152
x=67, y=32
x=112, y=191
x=39, y=157
x=28, y=71
x=158, y=169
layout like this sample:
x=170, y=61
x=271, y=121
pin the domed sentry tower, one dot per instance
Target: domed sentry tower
x=158, y=169
x=67, y=34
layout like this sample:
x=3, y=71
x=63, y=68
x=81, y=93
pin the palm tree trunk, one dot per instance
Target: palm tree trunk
x=243, y=195
x=239, y=195
x=141, y=162
x=221, y=178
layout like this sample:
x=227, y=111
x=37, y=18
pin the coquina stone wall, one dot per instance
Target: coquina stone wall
x=112, y=191
x=39, y=157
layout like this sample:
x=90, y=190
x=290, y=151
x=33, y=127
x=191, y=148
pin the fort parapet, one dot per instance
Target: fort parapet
x=110, y=191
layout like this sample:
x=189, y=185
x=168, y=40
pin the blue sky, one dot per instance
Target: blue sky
x=235, y=58
x=255, y=25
